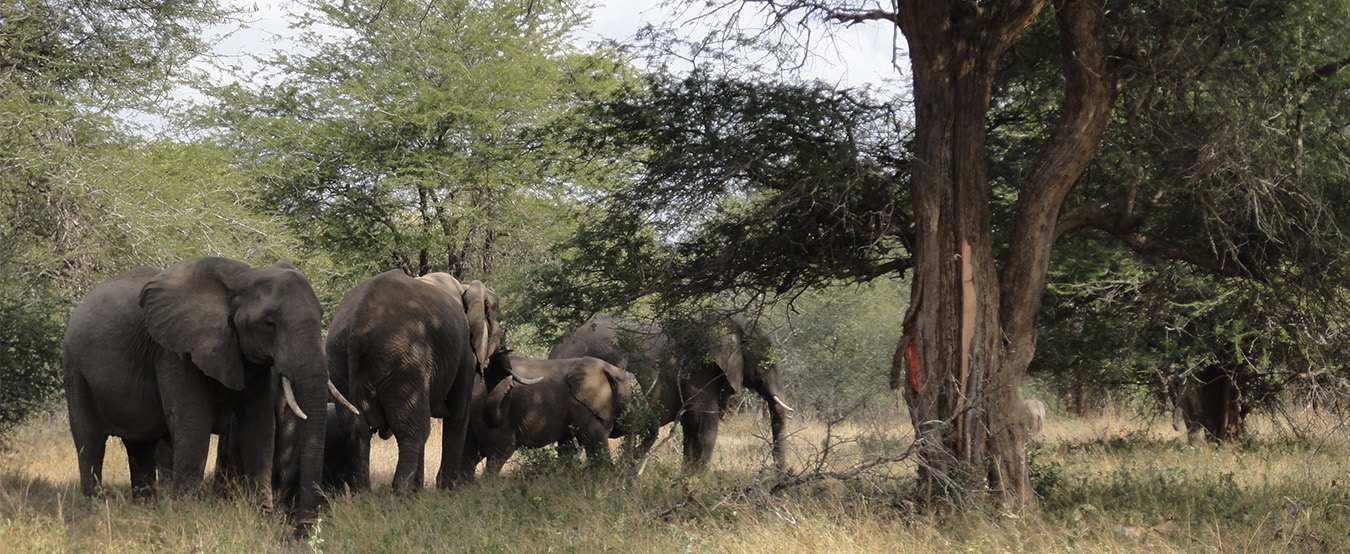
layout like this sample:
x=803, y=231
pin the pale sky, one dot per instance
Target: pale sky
x=856, y=56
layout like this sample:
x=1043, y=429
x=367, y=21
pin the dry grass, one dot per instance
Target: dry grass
x=1110, y=483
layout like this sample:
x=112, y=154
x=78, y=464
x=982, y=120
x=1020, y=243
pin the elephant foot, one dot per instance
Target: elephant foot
x=140, y=494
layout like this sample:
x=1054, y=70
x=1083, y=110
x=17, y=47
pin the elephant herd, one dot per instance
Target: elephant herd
x=163, y=359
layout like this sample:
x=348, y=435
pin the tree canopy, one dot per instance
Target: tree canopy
x=409, y=137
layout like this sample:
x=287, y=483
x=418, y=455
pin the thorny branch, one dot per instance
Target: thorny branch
x=769, y=481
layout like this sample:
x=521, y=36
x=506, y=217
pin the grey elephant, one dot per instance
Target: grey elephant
x=404, y=350
x=169, y=357
x=579, y=398
x=689, y=374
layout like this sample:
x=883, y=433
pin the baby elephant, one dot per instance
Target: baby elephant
x=577, y=397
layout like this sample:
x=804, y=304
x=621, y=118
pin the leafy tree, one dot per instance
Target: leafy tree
x=759, y=186
x=834, y=339
x=411, y=136
x=996, y=158
x=1227, y=153
x=65, y=69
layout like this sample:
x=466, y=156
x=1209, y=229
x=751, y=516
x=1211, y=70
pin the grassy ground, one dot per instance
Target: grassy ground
x=1110, y=483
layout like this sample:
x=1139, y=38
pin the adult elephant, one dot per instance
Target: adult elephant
x=689, y=373
x=171, y=356
x=405, y=350
x=579, y=398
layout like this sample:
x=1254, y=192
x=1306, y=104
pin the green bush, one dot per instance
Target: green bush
x=30, y=350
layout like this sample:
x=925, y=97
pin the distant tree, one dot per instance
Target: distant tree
x=1227, y=153
x=66, y=68
x=409, y=136
x=833, y=340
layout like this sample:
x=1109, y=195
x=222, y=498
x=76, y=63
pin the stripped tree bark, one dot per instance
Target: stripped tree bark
x=970, y=328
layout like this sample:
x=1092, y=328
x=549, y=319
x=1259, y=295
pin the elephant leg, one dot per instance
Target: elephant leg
x=227, y=461
x=163, y=460
x=89, y=452
x=91, y=441
x=191, y=444
x=412, y=442
x=358, y=466
x=595, y=439
x=700, y=436
x=256, y=441
x=141, y=459
x=454, y=433
x=188, y=412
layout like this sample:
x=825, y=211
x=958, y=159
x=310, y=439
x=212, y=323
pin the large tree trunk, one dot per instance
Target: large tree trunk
x=969, y=335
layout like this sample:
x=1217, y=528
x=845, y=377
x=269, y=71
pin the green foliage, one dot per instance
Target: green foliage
x=837, y=345
x=747, y=186
x=78, y=199
x=31, y=324
x=409, y=135
x=1216, y=204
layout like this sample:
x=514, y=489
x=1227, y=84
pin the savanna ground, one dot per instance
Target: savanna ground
x=1113, y=482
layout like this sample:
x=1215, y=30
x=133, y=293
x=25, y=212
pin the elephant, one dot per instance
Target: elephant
x=166, y=358
x=1035, y=410
x=404, y=350
x=689, y=374
x=577, y=398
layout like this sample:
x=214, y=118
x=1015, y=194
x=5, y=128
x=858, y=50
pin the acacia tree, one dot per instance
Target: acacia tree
x=979, y=242
x=405, y=137
x=970, y=331
x=66, y=69
x=1226, y=153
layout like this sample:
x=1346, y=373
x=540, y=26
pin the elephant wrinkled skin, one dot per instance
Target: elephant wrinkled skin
x=688, y=376
x=169, y=357
x=404, y=350
x=579, y=398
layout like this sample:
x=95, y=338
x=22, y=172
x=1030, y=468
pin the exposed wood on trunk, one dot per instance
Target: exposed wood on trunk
x=974, y=330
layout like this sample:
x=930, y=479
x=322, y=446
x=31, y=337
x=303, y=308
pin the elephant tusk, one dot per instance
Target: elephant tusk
x=526, y=380
x=342, y=400
x=290, y=398
x=784, y=405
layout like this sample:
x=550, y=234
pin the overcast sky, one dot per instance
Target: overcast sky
x=862, y=54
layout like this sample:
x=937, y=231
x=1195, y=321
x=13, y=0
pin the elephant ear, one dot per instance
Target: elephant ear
x=625, y=387
x=480, y=305
x=187, y=310
x=593, y=390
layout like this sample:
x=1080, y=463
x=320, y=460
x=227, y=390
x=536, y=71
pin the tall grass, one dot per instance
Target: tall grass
x=1110, y=483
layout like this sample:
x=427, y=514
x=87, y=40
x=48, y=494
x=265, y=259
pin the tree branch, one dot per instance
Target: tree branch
x=1096, y=217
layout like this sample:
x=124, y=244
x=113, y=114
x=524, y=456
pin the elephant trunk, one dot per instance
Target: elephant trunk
x=307, y=369
x=777, y=421
x=779, y=411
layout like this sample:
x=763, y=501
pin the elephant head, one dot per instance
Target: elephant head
x=747, y=356
x=485, y=334
x=480, y=307
x=497, y=379
x=237, y=323
x=627, y=397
